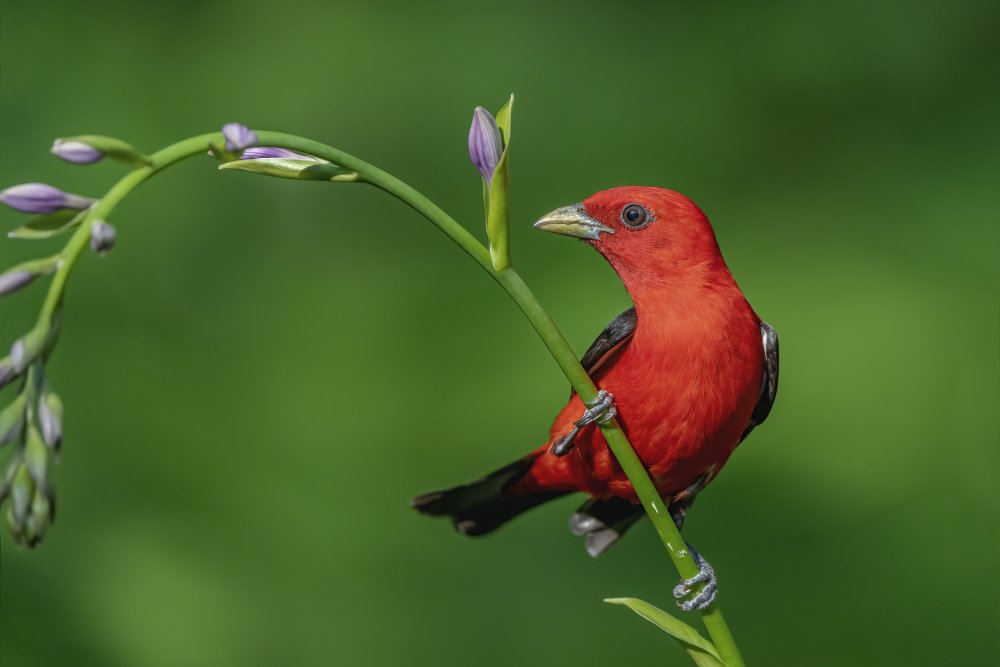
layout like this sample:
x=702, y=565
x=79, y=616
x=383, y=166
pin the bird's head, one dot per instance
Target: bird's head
x=649, y=235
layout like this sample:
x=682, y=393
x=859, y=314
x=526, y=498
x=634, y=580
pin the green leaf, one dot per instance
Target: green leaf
x=498, y=215
x=47, y=226
x=702, y=651
x=304, y=170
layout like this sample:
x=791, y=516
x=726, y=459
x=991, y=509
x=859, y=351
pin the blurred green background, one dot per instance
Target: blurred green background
x=263, y=372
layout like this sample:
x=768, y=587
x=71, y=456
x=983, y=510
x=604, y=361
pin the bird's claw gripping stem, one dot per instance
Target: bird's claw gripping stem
x=601, y=410
x=704, y=597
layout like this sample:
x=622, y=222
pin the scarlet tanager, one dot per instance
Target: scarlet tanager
x=689, y=371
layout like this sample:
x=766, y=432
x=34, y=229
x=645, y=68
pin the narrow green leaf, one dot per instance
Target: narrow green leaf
x=304, y=170
x=702, y=651
x=47, y=226
x=498, y=215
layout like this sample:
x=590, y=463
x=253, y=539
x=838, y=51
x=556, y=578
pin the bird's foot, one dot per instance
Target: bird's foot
x=601, y=410
x=706, y=595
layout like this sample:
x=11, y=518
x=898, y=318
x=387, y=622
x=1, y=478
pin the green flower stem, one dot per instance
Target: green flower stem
x=560, y=349
x=508, y=278
x=103, y=208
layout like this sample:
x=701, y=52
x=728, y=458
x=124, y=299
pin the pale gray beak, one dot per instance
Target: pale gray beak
x=572, y=221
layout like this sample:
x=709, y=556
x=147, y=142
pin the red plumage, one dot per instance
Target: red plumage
x=687, y=381
x=694, y=371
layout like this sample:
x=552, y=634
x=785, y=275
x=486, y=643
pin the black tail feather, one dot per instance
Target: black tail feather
x=484, y=505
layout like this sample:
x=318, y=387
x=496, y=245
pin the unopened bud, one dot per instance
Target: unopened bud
x=76, y=152
x=238, y=137
x=21, y=275
x=89, y=148
x=13, y=280
x=102, y=236
x=27, y=348
x=36, y=456
x=289, y=164
x=12, y=420
x=258, y=152
x=21, y=492
x=41, y=198
x=485, y=144
x=43, y=512
x=50, y=419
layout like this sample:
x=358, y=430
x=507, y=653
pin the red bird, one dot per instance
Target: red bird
x=690, y=370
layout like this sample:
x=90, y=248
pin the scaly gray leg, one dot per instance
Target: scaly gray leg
x=706, y=596
x=601, y=410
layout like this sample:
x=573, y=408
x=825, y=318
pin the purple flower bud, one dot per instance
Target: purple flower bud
x=485, y=144
x=238, y=137
x=102, y=236
x=14, y=280
x=41, y=198
x=264, y=152
x=76, y=152
x=28, y=347
x=50, y=420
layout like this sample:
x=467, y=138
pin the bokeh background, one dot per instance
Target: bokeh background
x=263, y=372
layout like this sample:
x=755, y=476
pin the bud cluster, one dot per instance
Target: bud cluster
x=32, y=425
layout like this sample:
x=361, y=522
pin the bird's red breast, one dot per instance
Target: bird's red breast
x=687, y=381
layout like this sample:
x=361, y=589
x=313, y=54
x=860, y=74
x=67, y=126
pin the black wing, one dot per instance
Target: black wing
x=769, y=385
x=616, y=333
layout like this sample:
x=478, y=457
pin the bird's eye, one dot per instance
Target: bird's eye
x=635, y=216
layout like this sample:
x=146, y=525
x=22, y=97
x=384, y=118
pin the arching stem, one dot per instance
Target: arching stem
x=508, y=279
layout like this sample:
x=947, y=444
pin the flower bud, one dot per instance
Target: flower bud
x=259, y=152
x=13, y=280
x=238, y=137
x=43, y=513
x=289, y=164
x=41, y=198
x=88, y=148
x=102, y=236
x=50, y=418
x=32, y=506
x=485, y=144
x=489, y=143
x=22, y=490
x=36, y=457
x=27, y=348
x=76, y=152
x=21, y=275
x=12, y=420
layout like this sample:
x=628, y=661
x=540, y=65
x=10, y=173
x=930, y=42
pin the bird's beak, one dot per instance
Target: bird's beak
x=572, y=221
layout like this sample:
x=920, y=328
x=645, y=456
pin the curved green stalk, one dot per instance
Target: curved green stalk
x=508, y=278
x=560, y=349
x=103, y=208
